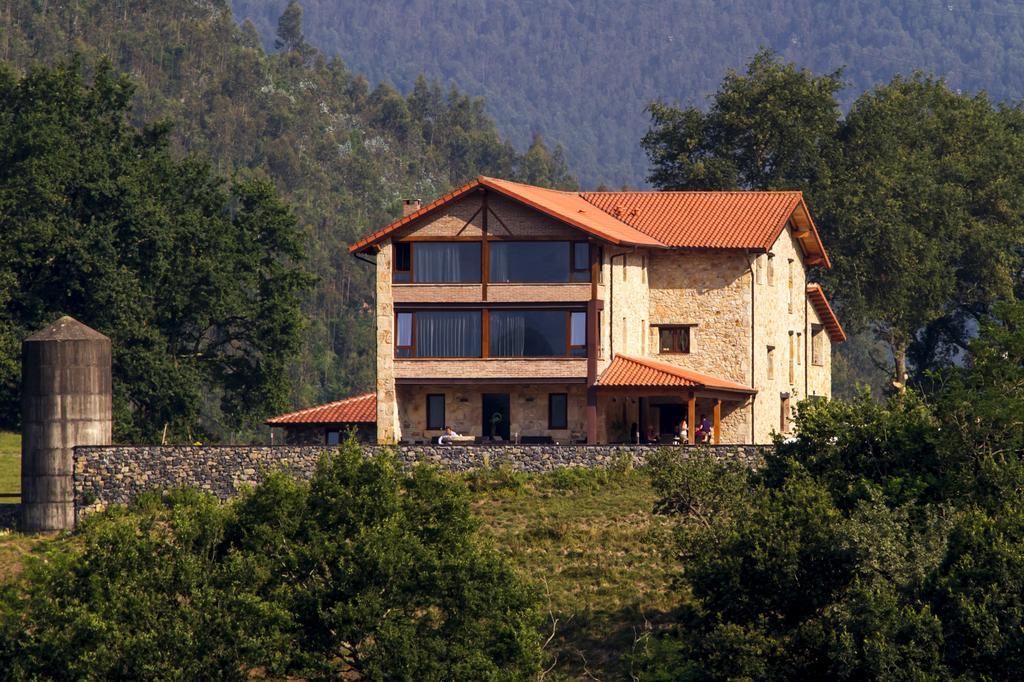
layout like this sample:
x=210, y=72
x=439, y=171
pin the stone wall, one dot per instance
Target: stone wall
x=107, y=475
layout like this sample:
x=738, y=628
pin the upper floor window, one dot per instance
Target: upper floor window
x=771, y=268
x=537, y=333
x=673, y=339
x=436, y=262
x=439, y=334
x=539, y=262
x=771, y=363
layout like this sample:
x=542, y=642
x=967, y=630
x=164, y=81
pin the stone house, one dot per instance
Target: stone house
x=517, y=313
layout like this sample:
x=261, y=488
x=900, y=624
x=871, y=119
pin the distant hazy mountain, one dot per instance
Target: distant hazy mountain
x=581, y=71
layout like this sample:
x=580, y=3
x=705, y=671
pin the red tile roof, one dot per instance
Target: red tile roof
x=700, y=220
x=357, y=409
x=828, y=318
x=626, y=371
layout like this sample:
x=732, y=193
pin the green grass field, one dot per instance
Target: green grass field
x=589, y=539
x=10, y=466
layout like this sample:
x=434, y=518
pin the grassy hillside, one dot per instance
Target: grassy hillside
x=581, y=73
x=586, y=538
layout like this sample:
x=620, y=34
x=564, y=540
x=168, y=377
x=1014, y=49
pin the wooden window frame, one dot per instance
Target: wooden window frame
x=577, y=347
x=784, y=416
x=675, y=328
x=412, y=334
x=394, y=262
x=791, y=279
x=551, y=421
x=412, y=242
x=579, y=273
x=444, y=409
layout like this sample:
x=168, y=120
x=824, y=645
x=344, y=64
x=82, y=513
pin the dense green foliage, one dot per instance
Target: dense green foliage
x=365, y=572
x=196, y=282
x=581, y=73
x=917, y=193
x=885, y=542
x=341, y=152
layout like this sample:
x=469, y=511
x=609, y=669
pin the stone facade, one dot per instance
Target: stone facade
x=734, y=308
x=105, y=475
x=528, y=410
x=780, y=321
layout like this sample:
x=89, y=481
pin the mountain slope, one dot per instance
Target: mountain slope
x=343, y=153
x=581, y=73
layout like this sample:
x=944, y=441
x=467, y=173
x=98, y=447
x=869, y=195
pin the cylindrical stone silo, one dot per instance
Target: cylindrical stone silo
x=66, y=401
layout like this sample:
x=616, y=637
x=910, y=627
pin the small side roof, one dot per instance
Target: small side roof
x=627, y=371
x=360, y=409
x=695, y=220
x=816, y=296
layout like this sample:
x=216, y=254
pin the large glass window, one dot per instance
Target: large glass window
x=444, y=262
x=448, y=334
x=528, y=262
x=528, y=333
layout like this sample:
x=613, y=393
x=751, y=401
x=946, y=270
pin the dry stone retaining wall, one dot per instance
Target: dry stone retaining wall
x=116, y=474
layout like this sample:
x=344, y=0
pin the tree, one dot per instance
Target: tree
x=289, y=29
x=923, y=216
x=197, y=281
x=771, y=128
x=365, y=572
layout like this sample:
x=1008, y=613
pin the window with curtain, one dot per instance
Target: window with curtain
x=529, y=262
x=528, y=333
x=578, y=334
x=448, y=334
x=445, y=262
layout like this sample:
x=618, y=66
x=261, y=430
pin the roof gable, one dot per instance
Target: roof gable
x=697, y=220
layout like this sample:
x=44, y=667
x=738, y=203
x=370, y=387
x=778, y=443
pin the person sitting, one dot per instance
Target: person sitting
x=446, y=437
x=652, y=435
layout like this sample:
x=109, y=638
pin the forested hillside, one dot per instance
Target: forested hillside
x=341, y=150
x=582, y=73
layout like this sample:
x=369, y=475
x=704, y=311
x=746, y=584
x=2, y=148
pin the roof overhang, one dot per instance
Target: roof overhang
x=828, y=317
x=628, y=372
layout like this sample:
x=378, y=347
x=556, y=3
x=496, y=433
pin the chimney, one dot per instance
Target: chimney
x=410, y=206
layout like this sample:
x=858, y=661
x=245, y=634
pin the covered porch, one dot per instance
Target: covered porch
x=646, y=401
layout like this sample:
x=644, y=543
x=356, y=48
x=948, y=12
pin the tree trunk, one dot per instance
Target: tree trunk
x=900, y=375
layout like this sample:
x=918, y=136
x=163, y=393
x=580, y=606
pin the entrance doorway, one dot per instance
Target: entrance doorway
x=671, y=417
x=495, y=415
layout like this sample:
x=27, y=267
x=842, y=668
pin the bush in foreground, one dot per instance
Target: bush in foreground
x=363, y=572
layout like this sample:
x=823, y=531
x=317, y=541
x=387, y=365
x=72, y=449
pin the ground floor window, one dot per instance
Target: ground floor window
x=435, y=411
x=673, y=339
x=333, y=437
x=558, y=411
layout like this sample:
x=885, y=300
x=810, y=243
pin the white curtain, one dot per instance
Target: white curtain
x=442, y=262
x=508, y=334
x=448, y=334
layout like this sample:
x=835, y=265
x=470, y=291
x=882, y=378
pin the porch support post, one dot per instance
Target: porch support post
x=593, y=340
x=717, y=421
x=691, y=410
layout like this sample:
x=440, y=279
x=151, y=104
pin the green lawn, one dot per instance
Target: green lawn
x=10, y=466
x=590, y=540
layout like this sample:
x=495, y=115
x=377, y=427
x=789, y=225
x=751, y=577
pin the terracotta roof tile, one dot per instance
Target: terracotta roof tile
x=357, y=409
x=628, y=371
x=700, y=220
x=725, y=220
x=828, y=317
